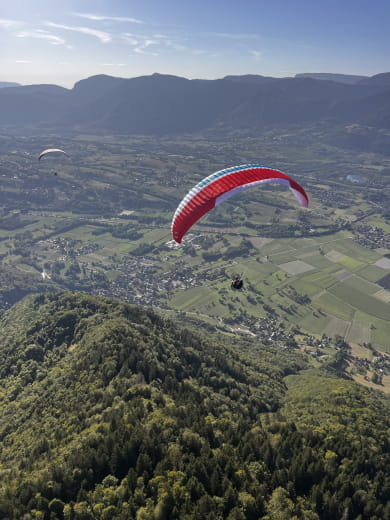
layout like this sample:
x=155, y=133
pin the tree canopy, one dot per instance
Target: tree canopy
x=112, y=411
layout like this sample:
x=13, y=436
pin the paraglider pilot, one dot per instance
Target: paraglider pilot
x=237, y=283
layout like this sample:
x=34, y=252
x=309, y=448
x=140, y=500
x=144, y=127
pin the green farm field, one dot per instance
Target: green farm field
x=361, y=301
x=380, y=330
x=315, y=323
x=372, y=273
x=360, y=284
x=334, y=306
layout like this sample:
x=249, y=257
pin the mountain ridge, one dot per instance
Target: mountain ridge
x=109, y=410
x=159, y=103
x=6, y=84
x=328, y=76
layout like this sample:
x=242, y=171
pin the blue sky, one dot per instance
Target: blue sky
x=62, y=42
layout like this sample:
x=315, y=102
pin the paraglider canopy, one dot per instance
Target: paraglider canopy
x=50, y=150
x=219, y=186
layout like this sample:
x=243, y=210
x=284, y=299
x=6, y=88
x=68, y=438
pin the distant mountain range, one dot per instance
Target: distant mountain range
x=9, y=84
x=349, y=79
x=168, y=104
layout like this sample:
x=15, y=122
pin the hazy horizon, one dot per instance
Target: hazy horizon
x=70, y=86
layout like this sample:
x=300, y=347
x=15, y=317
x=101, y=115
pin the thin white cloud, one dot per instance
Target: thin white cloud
x=179, y=47
x=158, y=44
x=255, y=54
x=113, y=64
x=175, y=46
x=23, y=61
x=130, y=38
x=235, y=36
x=101, y=18
x=141, y=50
x=103, y=36
x=141, y=44
x=9, y=24
x=42, y=35
x=148, y=43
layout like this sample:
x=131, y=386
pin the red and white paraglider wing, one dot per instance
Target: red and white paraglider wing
x=219, y=186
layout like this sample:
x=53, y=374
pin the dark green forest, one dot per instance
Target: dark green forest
x=112, y=411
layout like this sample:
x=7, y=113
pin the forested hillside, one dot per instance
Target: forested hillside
x=111, y=411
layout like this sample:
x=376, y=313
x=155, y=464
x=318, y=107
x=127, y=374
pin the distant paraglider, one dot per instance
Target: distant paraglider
x=221, y=185
x=50, y=150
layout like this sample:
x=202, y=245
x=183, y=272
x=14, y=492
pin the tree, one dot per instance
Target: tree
x=280, y=506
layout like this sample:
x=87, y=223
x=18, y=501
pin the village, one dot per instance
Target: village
x=371, y=237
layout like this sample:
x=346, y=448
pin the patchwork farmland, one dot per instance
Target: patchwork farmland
x=337, y=280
